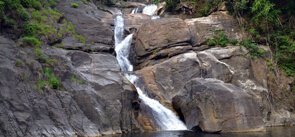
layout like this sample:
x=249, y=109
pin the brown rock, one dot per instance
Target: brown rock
x=217, y=106
x=160, y=34
x=204, y=27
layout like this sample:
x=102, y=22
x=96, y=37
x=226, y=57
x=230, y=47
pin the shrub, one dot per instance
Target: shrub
x=31, y=41
x=49, y=3
x=285, y=52
x=171, y=4
x=74, y=5
x=31, y=29
x=156, y=1
x=49, y=80
x=31, y=4
x=24, y=15
x=9, y=22
x=52, y=80
x=253, y=48
x=40, y=55
x=18, y=63
x=2, y=7
x=41, y=84
x=220, y=39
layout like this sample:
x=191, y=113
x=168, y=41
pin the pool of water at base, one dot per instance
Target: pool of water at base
x=270, y=132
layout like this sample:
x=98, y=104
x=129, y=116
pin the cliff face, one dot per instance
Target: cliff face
x=214, y=88
x=94, y=98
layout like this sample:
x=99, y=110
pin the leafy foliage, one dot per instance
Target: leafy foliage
x=171, y=4
x=31, y=41
x=271, y=22
x=220, y=39
x=74, y=5
x=49, y=80
x=253, y=48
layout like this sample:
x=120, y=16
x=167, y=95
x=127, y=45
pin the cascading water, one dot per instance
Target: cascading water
x=164, y=117
x=148, y=10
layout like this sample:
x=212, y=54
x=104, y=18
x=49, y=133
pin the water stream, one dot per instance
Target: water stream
x=164, y=118
x=148, y=10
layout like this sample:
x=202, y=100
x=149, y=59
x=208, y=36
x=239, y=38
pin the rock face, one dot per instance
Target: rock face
x=212, y=88
x=216, y=89
x=160, y=34
x=166, y=79
x=167, y=37
x=95, y=98
x=204, y=27
x=95, y=25
x=203, y=102
x=217, y=106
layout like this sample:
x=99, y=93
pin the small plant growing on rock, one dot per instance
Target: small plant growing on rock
x=50, y=80
x=220, y=39
x=74, y=5
x=76, y=79
x=253, y=48
x=31, y=41
x=18, y=63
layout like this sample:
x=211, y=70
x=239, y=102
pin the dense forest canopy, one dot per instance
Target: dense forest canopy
x=271, y=22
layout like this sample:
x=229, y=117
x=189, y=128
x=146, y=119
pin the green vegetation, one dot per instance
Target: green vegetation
x=44, y=22
x=18, y=63
x=199, y=7
x=171, y=4
x=31, y=41
x=221, y=39
x=156, y=1
x=36, y=23
x=270, y=22
x=50, y=80
x=74, y=5
x=203, y=7
x=76, y=80
x=253, y=48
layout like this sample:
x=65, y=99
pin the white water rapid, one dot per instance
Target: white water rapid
x=148, y=10
x=164, y=118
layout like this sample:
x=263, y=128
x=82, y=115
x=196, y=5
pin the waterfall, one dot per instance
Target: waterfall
x=149, y=9
x=164, y=118
x=134, y=11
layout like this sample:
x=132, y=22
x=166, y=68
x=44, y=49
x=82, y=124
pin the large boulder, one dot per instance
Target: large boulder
x=204, y=27
x=166, y=79
x=156, y=39
x=134, y=21
x=216, y=106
